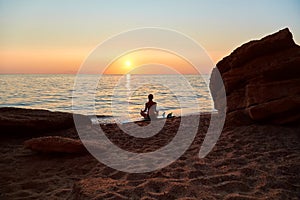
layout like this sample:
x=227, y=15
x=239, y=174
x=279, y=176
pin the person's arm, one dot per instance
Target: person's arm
x=145, y=108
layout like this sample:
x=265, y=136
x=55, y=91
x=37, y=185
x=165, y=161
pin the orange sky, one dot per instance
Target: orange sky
x=41, y=60
x=57, y=36
x=69, y=60
x=130, y=63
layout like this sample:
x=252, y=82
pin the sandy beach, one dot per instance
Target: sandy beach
x=248, y=162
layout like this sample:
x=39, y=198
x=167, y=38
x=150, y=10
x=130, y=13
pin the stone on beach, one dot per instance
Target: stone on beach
x=55, y=144
x=25, y=122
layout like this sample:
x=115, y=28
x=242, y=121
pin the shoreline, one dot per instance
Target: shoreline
x=100, y=117
x=58, y=94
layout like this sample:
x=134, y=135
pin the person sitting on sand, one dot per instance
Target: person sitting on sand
x=150, y=111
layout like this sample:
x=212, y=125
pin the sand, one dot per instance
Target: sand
x=248, y=162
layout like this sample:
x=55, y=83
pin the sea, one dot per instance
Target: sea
x=111, y=98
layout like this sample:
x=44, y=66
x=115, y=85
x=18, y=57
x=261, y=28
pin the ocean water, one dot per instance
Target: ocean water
x=113, y=96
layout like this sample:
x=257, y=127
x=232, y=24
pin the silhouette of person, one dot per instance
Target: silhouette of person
x=150, y=111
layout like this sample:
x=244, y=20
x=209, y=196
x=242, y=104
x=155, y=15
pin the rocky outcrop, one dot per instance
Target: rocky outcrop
x=262, y=81
x=25, y=122
x=55, y=144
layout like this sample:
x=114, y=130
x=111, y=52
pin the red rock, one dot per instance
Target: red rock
x=280, y=111
x=272, y=67
x=259, y=93
x=55, y=144
x=255, y=75
x=235, y=102
x=269, y=44
x=238, y=118
x=26, y=122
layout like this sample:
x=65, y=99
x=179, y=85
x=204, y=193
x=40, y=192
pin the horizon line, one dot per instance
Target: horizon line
x=87, y=74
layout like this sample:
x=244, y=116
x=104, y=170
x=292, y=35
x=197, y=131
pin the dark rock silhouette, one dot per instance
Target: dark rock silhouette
x=29, y=122
x=262, y=81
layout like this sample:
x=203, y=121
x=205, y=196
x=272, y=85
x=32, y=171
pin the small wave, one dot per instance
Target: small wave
x=101, y=116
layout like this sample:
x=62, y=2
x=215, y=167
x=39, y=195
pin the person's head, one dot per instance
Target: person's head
x=150, y=97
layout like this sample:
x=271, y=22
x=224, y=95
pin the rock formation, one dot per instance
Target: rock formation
x=55, y=144
x=22, y=122
x=262, y=81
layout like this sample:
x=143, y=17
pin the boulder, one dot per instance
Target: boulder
x=254, y=49
x=279, y=111
x=55, y=144
x=261, y=80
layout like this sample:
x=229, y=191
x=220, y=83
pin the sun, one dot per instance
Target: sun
x=128, y=63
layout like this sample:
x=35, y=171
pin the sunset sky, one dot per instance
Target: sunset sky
x=55, y=36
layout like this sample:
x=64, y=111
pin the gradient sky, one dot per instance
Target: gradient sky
x=55, y=36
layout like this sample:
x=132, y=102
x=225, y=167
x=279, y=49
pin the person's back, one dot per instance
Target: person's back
x=150, y=111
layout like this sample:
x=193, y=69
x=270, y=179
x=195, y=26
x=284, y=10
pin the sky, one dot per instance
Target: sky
x=56, y=36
